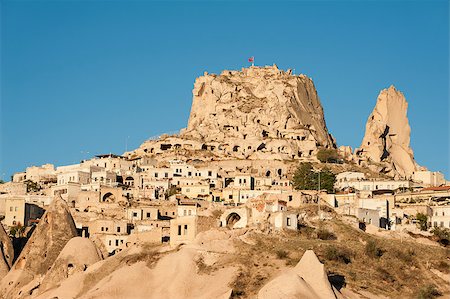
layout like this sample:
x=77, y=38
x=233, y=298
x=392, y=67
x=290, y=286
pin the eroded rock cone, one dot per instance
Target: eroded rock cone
x=307, y=280
x=387, y=137
x=52, y=233
x=6, y=252
x=78, y=254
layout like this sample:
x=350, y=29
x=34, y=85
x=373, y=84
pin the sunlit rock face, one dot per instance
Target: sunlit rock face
x=258, y=111
x=387, y=137
x=52, y=233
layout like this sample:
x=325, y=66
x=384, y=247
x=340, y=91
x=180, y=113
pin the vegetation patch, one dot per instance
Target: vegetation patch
x=333, y=253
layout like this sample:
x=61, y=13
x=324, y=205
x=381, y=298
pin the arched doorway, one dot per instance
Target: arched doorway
x=108, y=197
x=232, y=219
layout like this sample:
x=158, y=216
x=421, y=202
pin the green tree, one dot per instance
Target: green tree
x=306, y=178
x=423, y=221
x=32, y=186
x=442, y=235
x=327, y=155
x=17, y=231
x=2, y=181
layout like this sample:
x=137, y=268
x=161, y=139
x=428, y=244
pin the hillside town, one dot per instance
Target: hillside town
x=256, y=159
x=115, y=199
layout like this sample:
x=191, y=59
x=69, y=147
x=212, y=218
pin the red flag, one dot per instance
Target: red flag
x=251, y=59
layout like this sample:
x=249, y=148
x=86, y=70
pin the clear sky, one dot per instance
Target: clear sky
x=80, y=78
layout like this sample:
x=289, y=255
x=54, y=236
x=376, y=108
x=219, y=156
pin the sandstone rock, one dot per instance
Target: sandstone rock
x=256, y=113
x=78, y=254
x=6, y=252
x=387, y=137
x=52, y=233
x=308, y=279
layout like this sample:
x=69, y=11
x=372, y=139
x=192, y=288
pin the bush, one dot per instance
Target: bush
x=324, y=234
x=406, y=256
x=428, y=292
x=282, y=254
x=334, y=253
x=328, y=155
x=423, y=221
x=385, y=275
x=372, y=250
x=442, y=235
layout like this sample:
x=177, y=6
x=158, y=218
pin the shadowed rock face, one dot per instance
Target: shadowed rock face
x=387, y=137
x=52, y=233
x=255, y=106
x=78, y=254
x=6, y=252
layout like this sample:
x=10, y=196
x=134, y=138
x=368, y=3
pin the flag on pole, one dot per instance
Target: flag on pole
x=252, y=60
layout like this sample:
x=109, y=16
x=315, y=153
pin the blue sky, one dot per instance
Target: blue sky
x=94, y=76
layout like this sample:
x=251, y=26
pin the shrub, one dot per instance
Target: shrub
x=385, y=275
x=334, y=253
x=406, y=256
x=428, y=292
x=423, y=221
x=282, y=254
x=324, y=234
x=442, y=235
x=372, y=250
x=327, y=155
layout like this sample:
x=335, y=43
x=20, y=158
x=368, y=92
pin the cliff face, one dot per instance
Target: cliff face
x=258, y=107
x=387, y=137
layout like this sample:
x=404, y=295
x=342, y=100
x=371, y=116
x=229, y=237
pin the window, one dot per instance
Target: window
x=117, y=242
x=118, y=229
x=184, y=212
x=166, y=175
x=179, y=230
x=190, y=212
x=148, y=215
x=10, y=209
x=15, y=209
x=230, y=196
x=189, y=173
x=442, y=224
x=156, y=174
x=288, y=221
x=185, y=229
x=110, y=243
x=134, y=214
x=102, y=229
x=209, y=173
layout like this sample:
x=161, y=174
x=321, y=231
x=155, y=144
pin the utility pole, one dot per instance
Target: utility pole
x=318, y=196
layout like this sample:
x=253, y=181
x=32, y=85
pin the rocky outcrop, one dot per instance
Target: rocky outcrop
x=256, y=106
x=256, y=113
x=308, y=279
x=6, y=252
x=387, y=137
x=52, y=233
x=78, y=254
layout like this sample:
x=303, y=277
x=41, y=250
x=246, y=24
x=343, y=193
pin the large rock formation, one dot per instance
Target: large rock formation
x=258, y=106
x=78, y=254
x=52, y=233
x=6, y=252
x=256, y=113
x=308, y=279
x=387, y=136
